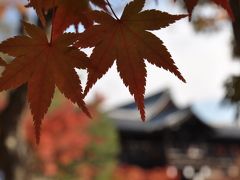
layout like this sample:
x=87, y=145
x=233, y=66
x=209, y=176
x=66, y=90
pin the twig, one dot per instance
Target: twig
x=53, y=27
x=110, y=6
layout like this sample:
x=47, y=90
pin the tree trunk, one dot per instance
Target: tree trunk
x=9, y=121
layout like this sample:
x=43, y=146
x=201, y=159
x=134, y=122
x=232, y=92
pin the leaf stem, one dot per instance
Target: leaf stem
x=53, y=23
x=110, y=6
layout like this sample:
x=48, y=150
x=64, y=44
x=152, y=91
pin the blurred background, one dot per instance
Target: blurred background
x=192, y=130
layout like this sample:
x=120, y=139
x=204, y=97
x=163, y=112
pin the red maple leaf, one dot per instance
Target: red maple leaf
x=128, y=41
x=43, y=65
x=41, y=6
x=67, y=12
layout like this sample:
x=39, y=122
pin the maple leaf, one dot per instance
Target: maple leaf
x=190, y=4
x=128, y=41
x=100, y=3
x=41, y=6
x=68, y=12
x=43, y=65
x=70, y=6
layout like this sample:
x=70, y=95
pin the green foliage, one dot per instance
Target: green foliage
x=103, y=151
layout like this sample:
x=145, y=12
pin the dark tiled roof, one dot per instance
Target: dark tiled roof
x=152, y=126
x=159, y=104
x=161, y=112
x=147, y=101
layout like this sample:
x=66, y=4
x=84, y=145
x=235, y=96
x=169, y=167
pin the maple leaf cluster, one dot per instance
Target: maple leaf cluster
x=45, y=64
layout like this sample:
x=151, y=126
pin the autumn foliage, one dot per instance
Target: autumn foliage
x=73, y=145
x=123, y=172
x=63, y=139
x=45, y=63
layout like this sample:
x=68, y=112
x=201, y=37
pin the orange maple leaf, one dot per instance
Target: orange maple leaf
x=43, y=65
x=128, y=41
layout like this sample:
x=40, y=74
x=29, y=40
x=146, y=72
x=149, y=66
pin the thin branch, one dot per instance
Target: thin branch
x=110, y=6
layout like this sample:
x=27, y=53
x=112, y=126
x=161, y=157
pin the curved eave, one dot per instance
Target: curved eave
x=152, y=126
x=159, y=103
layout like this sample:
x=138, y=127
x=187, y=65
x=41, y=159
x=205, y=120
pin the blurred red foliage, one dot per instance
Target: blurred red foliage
x=64, y=137
x=137, y=173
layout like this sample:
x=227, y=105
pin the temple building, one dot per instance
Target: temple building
x=173, y=136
